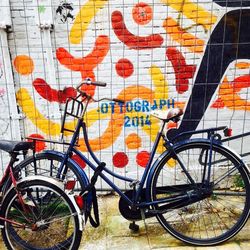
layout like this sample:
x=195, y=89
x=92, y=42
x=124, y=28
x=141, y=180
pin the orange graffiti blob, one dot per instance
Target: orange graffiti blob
x=87, y=64
x=229, y=94
x=181, y=36
x=142, y=13
x=133, y=141
x=24, y=65
x=243, y=65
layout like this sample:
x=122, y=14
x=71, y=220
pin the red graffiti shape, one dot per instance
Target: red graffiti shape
x=87, y=64
x=182, y=71
x=120, y=160
x=142, y=158
x=124, y=68
x=39, y=145
x=132, y=41
x=52, y=95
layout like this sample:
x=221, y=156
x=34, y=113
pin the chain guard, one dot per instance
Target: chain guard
x=127, y=212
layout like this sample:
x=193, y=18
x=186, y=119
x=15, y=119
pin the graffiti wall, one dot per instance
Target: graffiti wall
x=154, y=54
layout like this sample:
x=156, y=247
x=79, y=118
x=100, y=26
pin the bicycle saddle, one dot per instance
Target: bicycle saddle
x=14, y=146
x=171, y=114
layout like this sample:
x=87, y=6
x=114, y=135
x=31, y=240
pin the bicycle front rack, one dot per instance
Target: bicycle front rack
x=73, y=108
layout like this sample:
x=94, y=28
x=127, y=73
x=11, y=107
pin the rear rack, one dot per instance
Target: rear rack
x=200, y=131
x=228, y=139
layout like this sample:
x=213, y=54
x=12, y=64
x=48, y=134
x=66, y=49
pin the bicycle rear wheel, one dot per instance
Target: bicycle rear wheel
x=44, y=218
x=216, y=217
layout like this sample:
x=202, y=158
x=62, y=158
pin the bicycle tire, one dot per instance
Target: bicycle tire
x=46, y=164
x=211, y=220
x=57, y=216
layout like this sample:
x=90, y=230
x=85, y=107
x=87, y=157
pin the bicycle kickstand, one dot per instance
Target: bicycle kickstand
x=134, y=227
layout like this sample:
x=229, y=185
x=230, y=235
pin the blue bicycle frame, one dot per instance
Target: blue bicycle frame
x=135, y=201
x=72, y=149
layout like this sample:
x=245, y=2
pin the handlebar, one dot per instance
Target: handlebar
x=88, y=81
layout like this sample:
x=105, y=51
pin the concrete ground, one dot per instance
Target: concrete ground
x=113, y=233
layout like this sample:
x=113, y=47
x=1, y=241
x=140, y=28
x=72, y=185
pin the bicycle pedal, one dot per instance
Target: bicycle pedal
x=134, y=227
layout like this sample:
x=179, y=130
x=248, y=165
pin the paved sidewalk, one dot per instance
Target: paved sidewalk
x=113, y=233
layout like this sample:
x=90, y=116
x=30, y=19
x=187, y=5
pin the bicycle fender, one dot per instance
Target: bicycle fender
x=80, y=215
x=36, y=177
x=79, y=169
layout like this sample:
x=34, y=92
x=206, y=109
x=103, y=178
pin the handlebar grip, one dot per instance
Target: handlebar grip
x=99, y=84
x=119, y=101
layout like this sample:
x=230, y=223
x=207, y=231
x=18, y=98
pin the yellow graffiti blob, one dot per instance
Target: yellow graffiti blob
x=193, y=11
x=28, y=107
x=161, y=85
x=83, y=19
x=161, y=92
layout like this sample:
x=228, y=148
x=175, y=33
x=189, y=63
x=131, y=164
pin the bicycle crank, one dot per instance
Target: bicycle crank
x=130, y=213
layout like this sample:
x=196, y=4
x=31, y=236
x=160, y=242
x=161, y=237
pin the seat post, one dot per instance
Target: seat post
x=13, y=158
x=9, y=170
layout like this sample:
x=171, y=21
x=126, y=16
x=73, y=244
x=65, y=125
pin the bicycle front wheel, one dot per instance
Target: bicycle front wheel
x=215, y=217
x=41, y=216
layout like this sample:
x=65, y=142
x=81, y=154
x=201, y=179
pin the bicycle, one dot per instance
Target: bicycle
x=36, y=212
x=198, y=189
